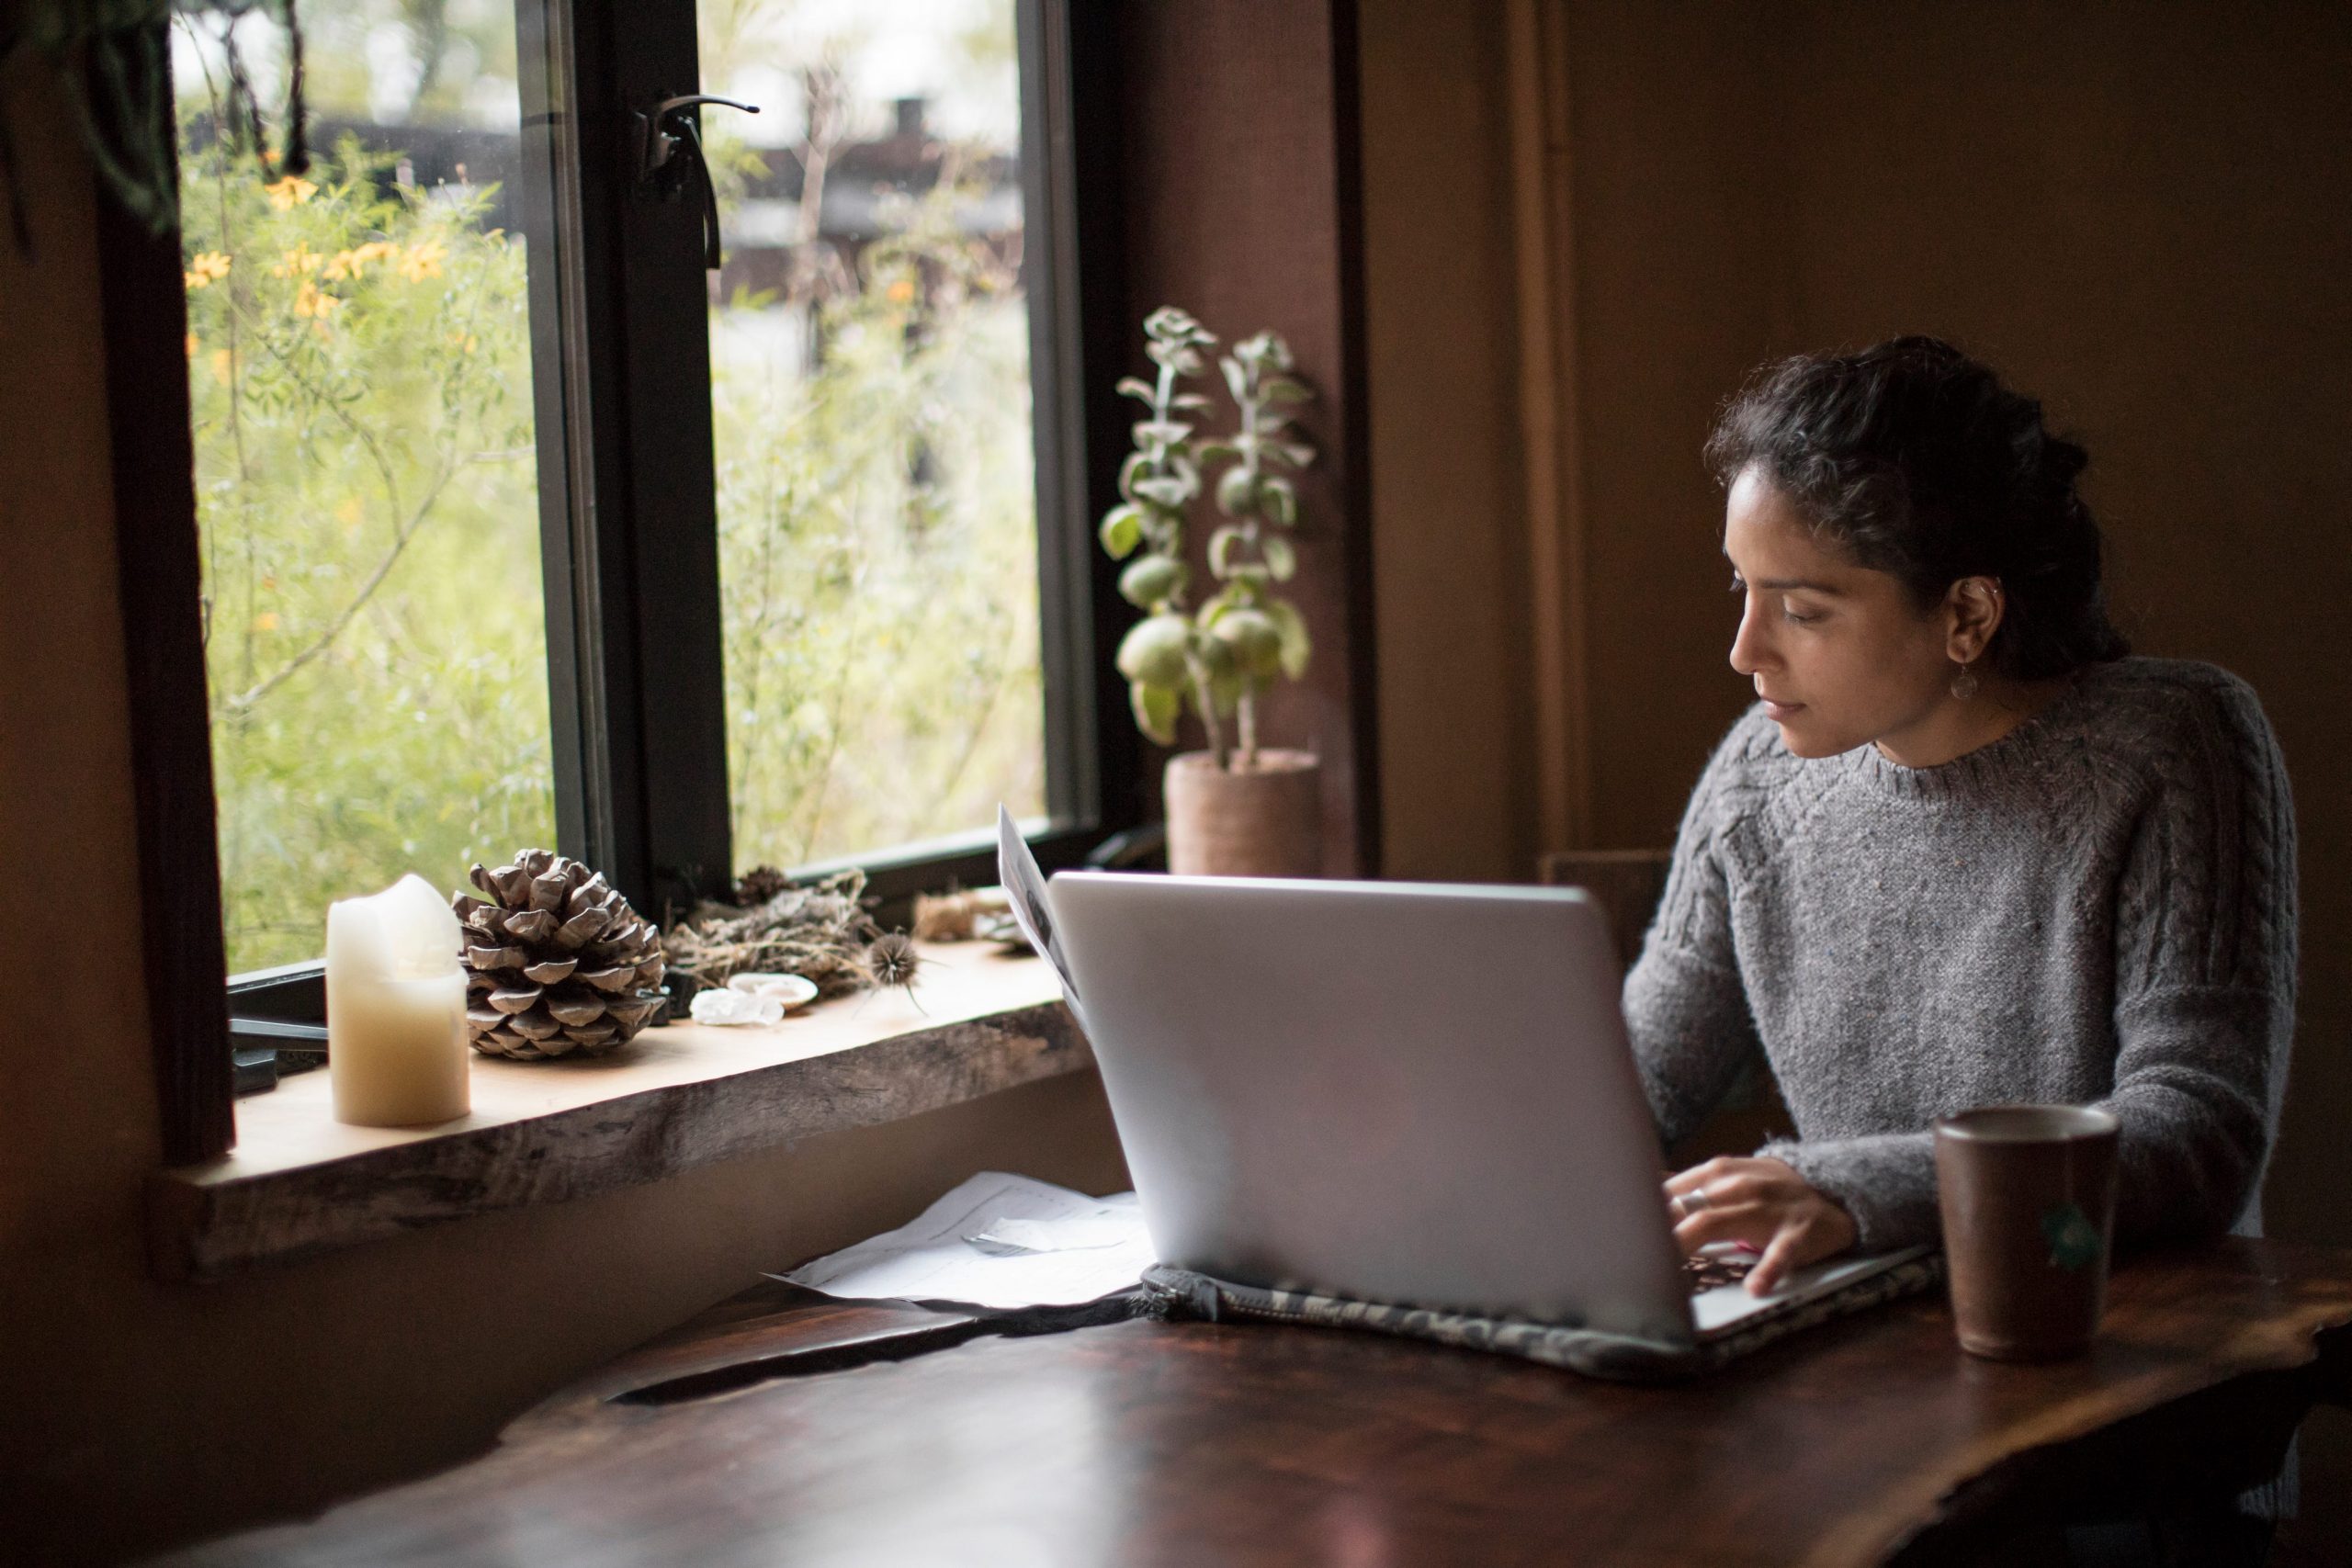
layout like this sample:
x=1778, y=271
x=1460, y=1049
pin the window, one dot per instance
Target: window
x=360, y=393
x=519, y=524
x=871, y=403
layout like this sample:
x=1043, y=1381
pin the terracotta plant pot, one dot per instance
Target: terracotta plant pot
x=1265, y=821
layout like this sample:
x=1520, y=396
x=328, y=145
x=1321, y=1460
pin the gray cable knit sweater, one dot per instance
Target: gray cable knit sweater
x=2097, y=907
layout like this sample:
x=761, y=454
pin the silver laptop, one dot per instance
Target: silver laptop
x=1394, y=1092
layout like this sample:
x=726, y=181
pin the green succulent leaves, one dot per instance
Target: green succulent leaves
x=1156, y=708
x=1155, y=652
x=1123, y=530
x=1151, y=582
x=1218, y=660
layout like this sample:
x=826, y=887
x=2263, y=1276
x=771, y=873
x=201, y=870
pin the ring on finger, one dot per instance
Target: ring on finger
x=1690, y=1202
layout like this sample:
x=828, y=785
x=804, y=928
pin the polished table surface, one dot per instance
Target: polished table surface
x=780, y=1427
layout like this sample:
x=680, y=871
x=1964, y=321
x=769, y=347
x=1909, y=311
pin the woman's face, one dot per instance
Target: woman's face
x=1838, y=652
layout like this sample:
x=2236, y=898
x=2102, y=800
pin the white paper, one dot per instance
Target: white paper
x=1024, y=889
x=995, y=1241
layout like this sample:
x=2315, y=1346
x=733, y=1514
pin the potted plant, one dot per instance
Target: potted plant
x=1235, y=808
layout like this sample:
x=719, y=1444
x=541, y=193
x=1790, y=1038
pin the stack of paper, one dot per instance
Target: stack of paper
x=996, y=1241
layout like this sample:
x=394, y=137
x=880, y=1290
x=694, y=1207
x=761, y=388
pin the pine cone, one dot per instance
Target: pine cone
x=557, y=963
x=759, y=884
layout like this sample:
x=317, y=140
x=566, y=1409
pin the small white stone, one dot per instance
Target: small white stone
x=734, y=1006
x=792, y=990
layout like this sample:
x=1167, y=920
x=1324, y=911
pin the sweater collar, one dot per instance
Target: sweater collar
x=1989, y=767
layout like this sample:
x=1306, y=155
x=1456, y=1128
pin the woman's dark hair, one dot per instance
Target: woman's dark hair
x=1918, y=462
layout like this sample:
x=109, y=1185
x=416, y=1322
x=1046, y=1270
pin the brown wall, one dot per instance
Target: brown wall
x=134, y=1414
x=2142, y=214
x=1235, y=174
x=1449, y=560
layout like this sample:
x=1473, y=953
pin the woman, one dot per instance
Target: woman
x=1962, y=851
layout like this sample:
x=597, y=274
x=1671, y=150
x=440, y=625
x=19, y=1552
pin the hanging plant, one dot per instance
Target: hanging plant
x=112, y=61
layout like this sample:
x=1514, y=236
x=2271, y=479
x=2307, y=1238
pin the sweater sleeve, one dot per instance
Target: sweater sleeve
x=1686, y=1009
x=2205, y=935
x=2205, y=976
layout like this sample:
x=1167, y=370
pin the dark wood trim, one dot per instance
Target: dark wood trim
x=1070, y=190
x=1355, y=397
x=1108, y=330
x=572, y=350
x=656, y=508
x=144, y=309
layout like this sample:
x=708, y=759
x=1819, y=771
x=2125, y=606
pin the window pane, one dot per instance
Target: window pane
x=870, y=399
x=360, y=376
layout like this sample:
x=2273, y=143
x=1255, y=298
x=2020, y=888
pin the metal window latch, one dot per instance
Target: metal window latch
x=669, y=153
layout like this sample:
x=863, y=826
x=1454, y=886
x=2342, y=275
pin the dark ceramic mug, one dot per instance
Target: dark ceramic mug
x=2028, y=1193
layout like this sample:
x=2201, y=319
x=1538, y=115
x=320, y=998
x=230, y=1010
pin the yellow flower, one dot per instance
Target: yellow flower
x=424, y=261
x=899, y=292
x=209, y=268
x=464, y=343
x=355, y=261
x=298, y=262
x=221, y=364
x=347, y=512
x=312, y=300
x=290, y=193
x=266, y=621
x=192, y=346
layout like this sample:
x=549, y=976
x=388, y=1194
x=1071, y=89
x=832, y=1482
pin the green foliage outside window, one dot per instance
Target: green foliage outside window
x=878, y=535
x=359, y=380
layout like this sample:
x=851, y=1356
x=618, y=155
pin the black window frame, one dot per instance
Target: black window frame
x=628, y=513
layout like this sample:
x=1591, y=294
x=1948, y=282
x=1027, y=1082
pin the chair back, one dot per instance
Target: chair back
x=1627, y=884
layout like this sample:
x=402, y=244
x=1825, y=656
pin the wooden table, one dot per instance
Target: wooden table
x=781, y=1427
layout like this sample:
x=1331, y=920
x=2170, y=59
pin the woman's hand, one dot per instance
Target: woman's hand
x=1764, y=1203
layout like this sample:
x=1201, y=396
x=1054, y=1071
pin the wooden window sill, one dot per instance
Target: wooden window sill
x=300, y=1183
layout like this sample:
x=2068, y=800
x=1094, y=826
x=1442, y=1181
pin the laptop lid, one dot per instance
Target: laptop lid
x=1391, y=1091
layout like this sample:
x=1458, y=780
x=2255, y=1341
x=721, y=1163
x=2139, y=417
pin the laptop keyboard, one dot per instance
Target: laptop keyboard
x=1704, y=1272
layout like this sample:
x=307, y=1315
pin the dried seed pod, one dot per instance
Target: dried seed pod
x=891, y=959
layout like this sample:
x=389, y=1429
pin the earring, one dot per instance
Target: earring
x=1963, y=686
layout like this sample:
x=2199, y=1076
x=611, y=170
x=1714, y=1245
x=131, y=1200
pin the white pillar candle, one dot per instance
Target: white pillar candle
x=396, y=1009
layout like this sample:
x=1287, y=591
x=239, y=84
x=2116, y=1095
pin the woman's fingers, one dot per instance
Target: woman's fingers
x=1763, y=1202
x=1728, y=1178
x=1705, y=1175
x=1783, y=1254
x=1813, y=1230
